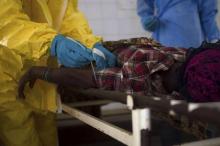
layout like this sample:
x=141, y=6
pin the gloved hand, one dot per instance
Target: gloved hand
x=150, y=23
x=70, y=53
x=103, y=57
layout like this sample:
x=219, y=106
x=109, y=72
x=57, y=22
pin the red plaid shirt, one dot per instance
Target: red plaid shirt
x=137, y=69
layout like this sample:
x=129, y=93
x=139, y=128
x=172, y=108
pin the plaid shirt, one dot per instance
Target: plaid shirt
x=139, y=61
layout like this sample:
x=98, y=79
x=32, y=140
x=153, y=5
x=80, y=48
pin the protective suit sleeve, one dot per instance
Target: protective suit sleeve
x=145, y=9
x=76, y=26
x=29, y=39
x=208, y=11
x=10, y=66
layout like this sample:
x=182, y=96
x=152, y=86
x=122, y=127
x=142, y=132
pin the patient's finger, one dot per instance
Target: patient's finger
x=31, y=83
x=21, y=89
x=21, y=85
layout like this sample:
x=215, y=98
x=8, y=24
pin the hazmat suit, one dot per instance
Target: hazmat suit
x=180, y=23
x=27, y=28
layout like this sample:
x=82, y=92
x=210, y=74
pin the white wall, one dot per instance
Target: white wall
x=115, y=19
x=112, y=19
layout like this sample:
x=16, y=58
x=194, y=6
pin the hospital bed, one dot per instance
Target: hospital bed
x=141, y=108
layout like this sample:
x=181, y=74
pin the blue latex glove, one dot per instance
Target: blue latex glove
x=214, y=41
x=70, y=53
x=103, y=57
x=150, y=23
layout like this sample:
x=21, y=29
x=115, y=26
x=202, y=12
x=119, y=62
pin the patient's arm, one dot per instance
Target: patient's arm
x=62, y=76
x=172, y=78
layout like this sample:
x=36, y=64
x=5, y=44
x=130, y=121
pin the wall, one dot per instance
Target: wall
x=112, y=19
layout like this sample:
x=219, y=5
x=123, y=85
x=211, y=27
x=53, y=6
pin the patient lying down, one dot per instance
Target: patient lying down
x=146, y=69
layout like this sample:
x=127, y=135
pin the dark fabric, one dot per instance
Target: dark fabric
x=202, y=76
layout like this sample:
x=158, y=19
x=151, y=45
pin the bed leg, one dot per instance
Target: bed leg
x=141, y=125
x=145, y=138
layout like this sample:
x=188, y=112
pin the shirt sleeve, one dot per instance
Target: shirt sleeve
x=208, y=11
x=145, y=9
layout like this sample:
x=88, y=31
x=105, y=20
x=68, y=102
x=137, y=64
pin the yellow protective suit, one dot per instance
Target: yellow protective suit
x=27, y=28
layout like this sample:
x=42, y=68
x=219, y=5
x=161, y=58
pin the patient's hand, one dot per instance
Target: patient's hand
x=69, y=77
x=30, y=77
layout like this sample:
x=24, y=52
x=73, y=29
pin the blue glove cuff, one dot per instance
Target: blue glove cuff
x=53, y=48
x=103, y=57
x=214, y=37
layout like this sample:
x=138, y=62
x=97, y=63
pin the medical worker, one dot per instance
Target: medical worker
x=29, y=35
x=180, y=23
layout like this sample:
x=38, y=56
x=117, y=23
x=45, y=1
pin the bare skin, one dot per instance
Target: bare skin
x=63, y=76
x=171, y=78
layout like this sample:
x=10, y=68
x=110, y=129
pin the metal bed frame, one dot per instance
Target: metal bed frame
x=141, y=107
